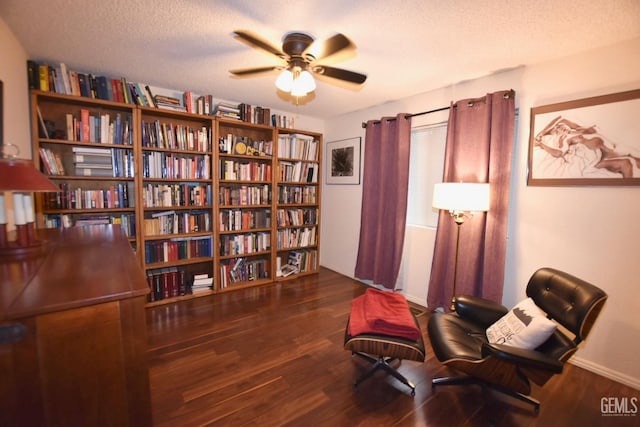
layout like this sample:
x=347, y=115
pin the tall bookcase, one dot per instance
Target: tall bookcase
x=87, y=147
x=210, y=204
x=176, y=201
x=244, y=207
x=297, y=202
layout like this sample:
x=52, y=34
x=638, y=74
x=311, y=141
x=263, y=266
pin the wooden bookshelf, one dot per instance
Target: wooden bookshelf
x=297, y=224
x=205, y=196
x=176, y=199
x=244, y=186
x=86, y=147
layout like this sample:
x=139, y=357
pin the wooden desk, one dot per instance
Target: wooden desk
x=81, y=359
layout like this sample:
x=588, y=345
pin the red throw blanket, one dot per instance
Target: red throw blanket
x=381, y=312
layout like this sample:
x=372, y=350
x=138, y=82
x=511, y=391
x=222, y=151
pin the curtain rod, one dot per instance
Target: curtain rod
x=470, y=102
x=364, y=124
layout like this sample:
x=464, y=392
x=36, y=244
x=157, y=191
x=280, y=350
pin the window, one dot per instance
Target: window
x=425, y=169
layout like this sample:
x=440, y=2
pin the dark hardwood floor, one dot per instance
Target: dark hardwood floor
x=273, y=356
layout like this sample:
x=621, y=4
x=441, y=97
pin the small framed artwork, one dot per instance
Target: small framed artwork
x=343, y=165
x=591, y=141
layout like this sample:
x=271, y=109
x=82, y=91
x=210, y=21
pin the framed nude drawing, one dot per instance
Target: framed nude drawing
x=591, y=141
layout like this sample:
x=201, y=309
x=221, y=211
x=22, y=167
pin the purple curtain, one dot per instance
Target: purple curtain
x=384, y=199
x=479, y=147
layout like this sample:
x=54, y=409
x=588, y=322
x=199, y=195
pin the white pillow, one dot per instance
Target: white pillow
x=524, y=326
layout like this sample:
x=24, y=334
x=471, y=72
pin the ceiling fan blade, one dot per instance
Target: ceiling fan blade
x=256, y=41
x=320, y=50
x=339, y=73
x=252, y=71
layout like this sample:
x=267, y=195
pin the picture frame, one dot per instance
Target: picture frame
x=586, y=142
x=343, y=161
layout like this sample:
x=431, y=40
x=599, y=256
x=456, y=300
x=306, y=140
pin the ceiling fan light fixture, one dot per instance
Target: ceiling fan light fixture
x=303, y=56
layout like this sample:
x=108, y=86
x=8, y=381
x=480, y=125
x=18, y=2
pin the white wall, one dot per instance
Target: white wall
x=13, y=73
x=587, y=231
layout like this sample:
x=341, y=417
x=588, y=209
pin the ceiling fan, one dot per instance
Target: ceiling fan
x=302, y=55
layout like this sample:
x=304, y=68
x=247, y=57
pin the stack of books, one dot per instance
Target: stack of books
x=93, y=161
x=201, y=283
x=169, y=103
x=228, y=110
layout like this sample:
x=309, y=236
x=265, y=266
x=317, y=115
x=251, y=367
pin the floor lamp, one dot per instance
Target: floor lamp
x=461, y=199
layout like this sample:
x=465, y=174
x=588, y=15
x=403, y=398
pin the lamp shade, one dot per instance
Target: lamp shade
x=284, y=82
x=461, y=196
x=303, y=84
x=21, y=175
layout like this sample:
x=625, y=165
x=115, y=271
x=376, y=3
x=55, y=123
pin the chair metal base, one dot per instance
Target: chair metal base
x=470, y=380
x=382, y=363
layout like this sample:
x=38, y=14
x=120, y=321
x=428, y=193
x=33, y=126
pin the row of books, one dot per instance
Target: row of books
x=243, y=270
x=235, y=144
x=298, y=172
x=254, y=114
x=114, y=197
x=291, y=238
x=160, y=164
x=172, y=282
x=296, y=217
x=166, y=283
x=177, y=248
x=58, y=78
x=100, y=128
x=172, y=222
x=245, y=195
x=244, y=219
x=235, y=170
x=127, y=222
x=243, y=244
x=51, y=162
x=288, y=194
x=298, y=146
x=172, y=136
x=174, y=195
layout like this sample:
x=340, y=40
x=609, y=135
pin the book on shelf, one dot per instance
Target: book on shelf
x=93, y=171
x=189, y=101
x=43, y=77
x=201, y=282
x=66, y=83
x=91, y=158
x=32, y=74
x=75, y=85
x=287, y=270
x=92, y=150
x=83, y=84
x=149, y=94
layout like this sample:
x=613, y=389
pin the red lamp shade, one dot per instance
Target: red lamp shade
x=21, y=175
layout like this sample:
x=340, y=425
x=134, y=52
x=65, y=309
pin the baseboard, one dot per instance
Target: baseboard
x=606, y=372
x=415, y=300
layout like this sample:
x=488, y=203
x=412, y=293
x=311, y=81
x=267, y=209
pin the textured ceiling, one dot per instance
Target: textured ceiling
x=405, y=47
